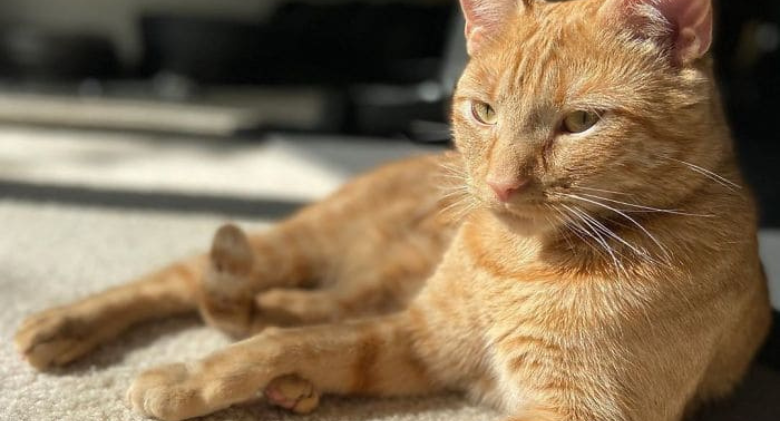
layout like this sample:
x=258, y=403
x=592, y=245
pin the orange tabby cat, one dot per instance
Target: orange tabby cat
x=602, y=263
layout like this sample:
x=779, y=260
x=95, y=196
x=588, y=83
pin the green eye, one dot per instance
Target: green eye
x=484, y=113
x=580, y=121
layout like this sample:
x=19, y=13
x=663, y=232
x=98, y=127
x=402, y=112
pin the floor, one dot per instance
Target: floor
x=84, y=210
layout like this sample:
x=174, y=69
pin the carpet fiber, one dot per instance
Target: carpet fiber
x=52, y=254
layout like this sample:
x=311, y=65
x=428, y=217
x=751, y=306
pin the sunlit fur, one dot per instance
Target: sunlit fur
x=556, y=60
x=622, y=283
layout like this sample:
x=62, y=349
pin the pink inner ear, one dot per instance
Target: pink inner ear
x=484, y=18
x=693, y=25
x=691, y=22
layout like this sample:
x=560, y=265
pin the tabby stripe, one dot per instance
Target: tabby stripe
x=368, y=349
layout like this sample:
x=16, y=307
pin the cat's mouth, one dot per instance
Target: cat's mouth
x=529, y=218
x=525, y=210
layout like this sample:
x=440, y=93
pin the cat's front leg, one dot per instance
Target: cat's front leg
x=60, y=335
x=369, y=357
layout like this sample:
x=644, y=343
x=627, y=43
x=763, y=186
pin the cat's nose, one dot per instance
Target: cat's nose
x=504, y=189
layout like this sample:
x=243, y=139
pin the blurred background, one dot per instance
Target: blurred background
x=356, y=67
x=241, y=69
x=157, y=97
x=232, y=103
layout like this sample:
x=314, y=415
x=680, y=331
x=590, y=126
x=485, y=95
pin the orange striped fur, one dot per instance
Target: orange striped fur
x=621, y=281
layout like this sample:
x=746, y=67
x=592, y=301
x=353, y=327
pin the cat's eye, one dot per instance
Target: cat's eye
x=484, y=113
x=580, y=121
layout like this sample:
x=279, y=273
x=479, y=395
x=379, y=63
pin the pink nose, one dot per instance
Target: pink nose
x=505, y=189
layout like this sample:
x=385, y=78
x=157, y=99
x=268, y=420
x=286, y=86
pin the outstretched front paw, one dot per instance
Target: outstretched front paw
x=166, y=393
x=55, y=337
x=293, y=393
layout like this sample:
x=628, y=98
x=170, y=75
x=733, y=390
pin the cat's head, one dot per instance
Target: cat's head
x=585, y=104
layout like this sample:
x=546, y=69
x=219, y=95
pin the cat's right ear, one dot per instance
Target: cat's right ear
x=484, y=19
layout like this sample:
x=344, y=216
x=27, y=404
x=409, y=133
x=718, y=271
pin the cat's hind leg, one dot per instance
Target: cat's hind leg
x=381, y=278
x=229, y=299
x=352, y=255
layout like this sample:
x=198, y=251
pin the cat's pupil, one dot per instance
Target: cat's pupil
x=580, y=121
x=484, y=113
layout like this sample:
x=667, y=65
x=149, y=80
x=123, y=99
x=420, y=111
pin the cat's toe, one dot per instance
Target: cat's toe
x=293, y=393
x=163, y=393
x=54, y=337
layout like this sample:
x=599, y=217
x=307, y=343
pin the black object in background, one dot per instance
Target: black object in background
x=28, y=53
x=301, y=43
x=747, y=54
x=385, y=60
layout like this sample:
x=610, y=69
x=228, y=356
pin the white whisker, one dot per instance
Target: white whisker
x=601, y=190
x=581, y=233
x=707, y=173
x=640, y=252
x=562, y=223
x=646, y=208
x=601, y=240
x=663, y=249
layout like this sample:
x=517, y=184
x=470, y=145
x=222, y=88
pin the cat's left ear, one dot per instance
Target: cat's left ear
x=687, y=22
x=484, y=19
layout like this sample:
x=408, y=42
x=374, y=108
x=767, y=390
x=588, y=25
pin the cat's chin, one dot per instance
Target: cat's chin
x=526, y=222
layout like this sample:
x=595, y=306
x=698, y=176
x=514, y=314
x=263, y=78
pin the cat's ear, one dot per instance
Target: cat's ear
x=484, y=18
x=685, y=24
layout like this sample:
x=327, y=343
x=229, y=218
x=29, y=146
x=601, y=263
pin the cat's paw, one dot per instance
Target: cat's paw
x=54, y=337
x=226, y=301
x=293, y=393
x=165, y=393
